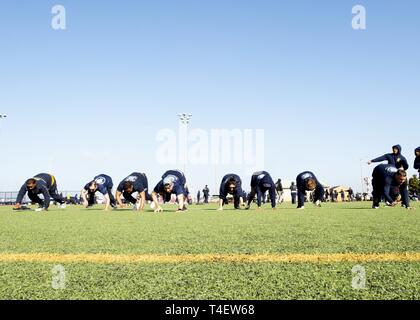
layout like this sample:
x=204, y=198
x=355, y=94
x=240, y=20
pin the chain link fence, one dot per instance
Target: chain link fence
x=9, y=197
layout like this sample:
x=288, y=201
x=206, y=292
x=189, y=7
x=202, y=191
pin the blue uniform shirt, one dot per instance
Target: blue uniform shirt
x=44, y=182
x=103, y=182
x=397, y=160
x=139, y=181
x=177, y=178
x=263, y=182
x=224, y=188
x=301, y=187
x=384, y=184
x=417, y=161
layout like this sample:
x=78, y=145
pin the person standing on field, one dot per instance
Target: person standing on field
x=395, y=158
x=293, y=192
x=343, y=195
x=198, y=196
x=351, y=195
x=417, y=161
x=206, y=194
x=279, y=191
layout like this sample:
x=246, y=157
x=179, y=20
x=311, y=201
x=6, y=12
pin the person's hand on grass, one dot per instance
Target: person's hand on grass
x=159, y=209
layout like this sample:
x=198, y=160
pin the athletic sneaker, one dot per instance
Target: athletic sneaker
x=39, y=209
x=301, y=208
x=375, y=207
x=63, y=206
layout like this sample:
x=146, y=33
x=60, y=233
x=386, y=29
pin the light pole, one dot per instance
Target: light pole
x=184, y=120
x=361, y=175
x=2, y=116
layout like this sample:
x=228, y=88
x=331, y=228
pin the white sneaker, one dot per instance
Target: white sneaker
x=63, y=206
x=152, y=205
x=301, y=208
x=39, y=210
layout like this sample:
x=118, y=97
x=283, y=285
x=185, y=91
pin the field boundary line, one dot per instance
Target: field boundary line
x=103, y=258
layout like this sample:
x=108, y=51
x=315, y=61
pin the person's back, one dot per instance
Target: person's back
x=395, y=158
x=417, y=160
x=279, y=186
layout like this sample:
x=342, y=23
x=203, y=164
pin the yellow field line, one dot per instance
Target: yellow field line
x=207, y=258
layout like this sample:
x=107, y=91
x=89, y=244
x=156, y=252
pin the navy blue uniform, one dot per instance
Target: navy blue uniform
x=417, y=161
x=140, y=184
x=179, y=181
x=301, y=181
x=397, y=160
x=104, y=184
x=261, y=182
x=224, y=189
x=45, y=185
x=293, y=192
x=206, y=193
x=386, y=187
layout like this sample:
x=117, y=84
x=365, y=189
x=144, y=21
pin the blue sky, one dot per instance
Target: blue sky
x=92, y=98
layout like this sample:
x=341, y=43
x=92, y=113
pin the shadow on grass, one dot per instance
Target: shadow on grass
x=364, y=208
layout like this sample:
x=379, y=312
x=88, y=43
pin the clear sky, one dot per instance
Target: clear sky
x=92, y=98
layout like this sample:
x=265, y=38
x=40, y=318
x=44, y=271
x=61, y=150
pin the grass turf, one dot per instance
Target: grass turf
x=335, y=228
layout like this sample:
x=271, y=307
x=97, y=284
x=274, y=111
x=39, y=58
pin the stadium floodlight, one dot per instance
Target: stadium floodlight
x=184, y=118
x=2, y=116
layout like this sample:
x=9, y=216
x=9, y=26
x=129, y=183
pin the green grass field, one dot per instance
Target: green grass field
x=334, y=229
